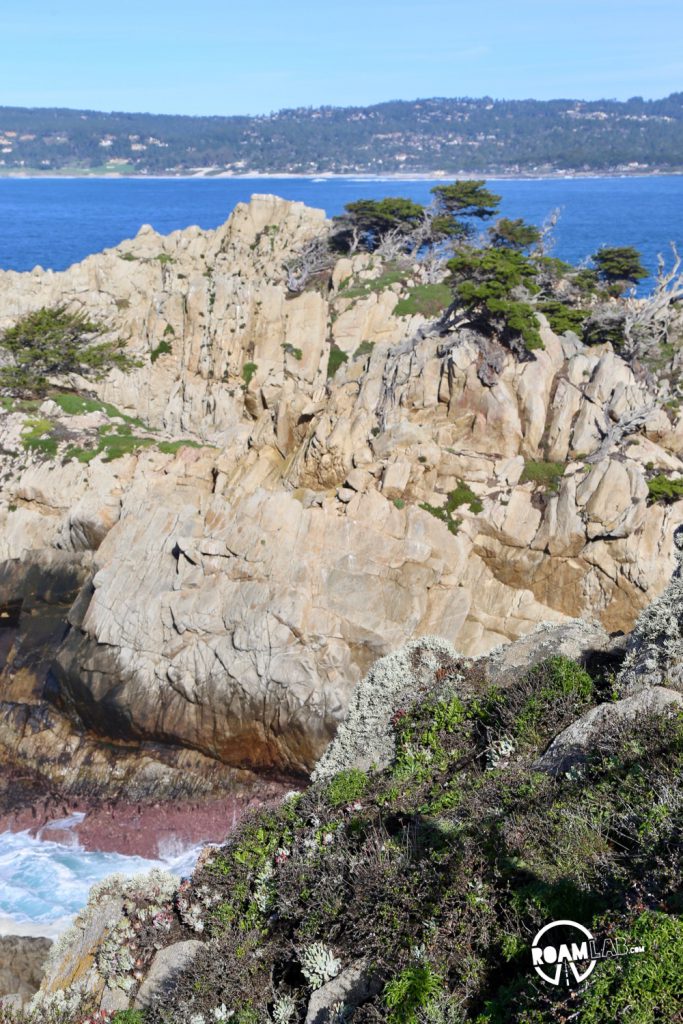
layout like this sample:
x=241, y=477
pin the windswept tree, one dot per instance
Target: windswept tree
x=366, y=222
x=514, y=234
x=463, y=201
x=492, y=289
x=619, y=266
x=51, y=345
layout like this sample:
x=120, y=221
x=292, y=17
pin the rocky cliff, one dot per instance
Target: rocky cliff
x=287, y=487
x=464, y=804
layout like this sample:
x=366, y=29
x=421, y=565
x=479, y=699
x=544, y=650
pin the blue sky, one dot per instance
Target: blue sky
x=212, y=57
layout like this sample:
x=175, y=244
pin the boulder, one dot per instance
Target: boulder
x=165, y=966
x=575, y=742
x=352, y=987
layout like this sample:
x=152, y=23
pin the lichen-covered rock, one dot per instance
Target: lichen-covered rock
x=575, y=742
x=353, y=986
x=98, y=959
x=654, y=655
x=584, y=642
x=366, y=738
x=164, y=968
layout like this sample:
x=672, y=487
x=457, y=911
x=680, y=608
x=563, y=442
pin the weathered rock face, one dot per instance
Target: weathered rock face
x=573, y=744
x=22, y=961
x=654, y=655
x=238, y=591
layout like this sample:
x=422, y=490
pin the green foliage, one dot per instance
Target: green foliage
x=162, y=349
x=129, y=1017
x=462, y=200
x=74, y=404
x=416, y=988
x=639, y=989
x=619, y=265
x=164, y=258
x=425, y=299
x=347, y=787
x=484, y=280
x=441, y=513
x=665, y=489
x=33, y=435
x=364, y=349
x=546, y=474
x=464, y=495
x=461, y=495
x=171, y=447
x=248, y=371
x=110, y=445
x=514, y=234
x=289, y=350
x=390, y=275
x=371, y=219
x=336, y=357
x=563, y=317
x=55, y=343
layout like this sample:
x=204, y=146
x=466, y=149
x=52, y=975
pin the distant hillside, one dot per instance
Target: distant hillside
x=449, y=135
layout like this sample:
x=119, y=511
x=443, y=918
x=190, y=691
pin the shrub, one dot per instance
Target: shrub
x=415, y=988
x=162, y=349
x=53, y=343
x=640, y=989
x=665, y=489
x=289, y=350
x=248, y=371
x=364, y=349
x=563, y=317
x=336, y=358
x=346, y=787
x=546, y=474
x=461, y=495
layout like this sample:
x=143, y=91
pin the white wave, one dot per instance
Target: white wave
x=43, y=883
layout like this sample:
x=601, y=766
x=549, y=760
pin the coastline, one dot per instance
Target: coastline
x=169, y=836
x=155, y=831
x=358, y=176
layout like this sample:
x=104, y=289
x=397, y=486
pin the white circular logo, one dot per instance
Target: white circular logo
x=568, y=948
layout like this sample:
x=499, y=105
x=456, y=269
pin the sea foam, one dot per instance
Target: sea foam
x=43, y=884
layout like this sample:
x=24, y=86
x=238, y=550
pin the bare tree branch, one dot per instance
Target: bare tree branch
x=314, y=258
x=628, y=424
x=649, y=320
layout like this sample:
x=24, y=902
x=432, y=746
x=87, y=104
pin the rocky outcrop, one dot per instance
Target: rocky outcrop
x=269, y=532
x=22, y=960
x=654, y=655
x=167, y=963
x=572, y=746
x=175, y=950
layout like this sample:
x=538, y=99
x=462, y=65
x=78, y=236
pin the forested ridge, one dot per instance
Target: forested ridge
x=421, y=136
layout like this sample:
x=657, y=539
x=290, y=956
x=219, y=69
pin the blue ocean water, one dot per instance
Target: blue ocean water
x=43, y=883
x=56, y=222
